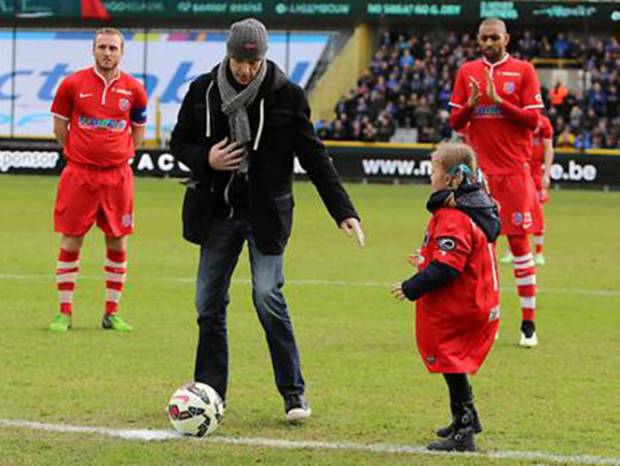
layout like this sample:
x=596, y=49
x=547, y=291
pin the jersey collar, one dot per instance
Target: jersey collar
x=497, y=63
x=106, y=83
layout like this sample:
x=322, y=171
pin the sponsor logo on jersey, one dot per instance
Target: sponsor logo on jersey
x=509, y=87
x=510, y=73
x=487, y=111
x=121, y=91
x=124, y=104
x=109, y=124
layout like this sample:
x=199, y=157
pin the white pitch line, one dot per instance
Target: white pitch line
x=147, y=435
x=302, y=282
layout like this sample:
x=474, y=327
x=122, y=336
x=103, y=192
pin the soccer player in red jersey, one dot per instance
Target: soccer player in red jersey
x=456, y=288
x=499, y=97
x=542, y=159
x=99, y=119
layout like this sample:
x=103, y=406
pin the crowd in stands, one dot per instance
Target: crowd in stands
x=409, y=81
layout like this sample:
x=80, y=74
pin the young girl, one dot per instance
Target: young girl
x=456, y=287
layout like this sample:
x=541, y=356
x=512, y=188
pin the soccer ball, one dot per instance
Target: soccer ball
x=195, y=409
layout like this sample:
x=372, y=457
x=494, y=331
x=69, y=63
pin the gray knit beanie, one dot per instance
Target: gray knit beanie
x=247, y=40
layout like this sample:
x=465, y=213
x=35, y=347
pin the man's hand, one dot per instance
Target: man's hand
x=474, y=98
x=225, y=157
x=352, y=226
x=491, y=91
x=397, y=291
x=546, y=180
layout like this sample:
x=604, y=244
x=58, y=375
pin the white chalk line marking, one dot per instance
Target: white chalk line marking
x=302, y=282
x=147, y=435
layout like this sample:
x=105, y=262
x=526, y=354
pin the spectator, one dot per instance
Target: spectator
x=583, y=140
x=406, y=60
x=422, y=114
x=575, y=116
x=598, y=100
x=566, y=139
x=561, y=46
x=558, y=94
x=339, y=131
x=369, y=133
x=385, y=127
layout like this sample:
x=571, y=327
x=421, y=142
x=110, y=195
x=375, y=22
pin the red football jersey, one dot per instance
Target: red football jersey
x=456, y=324
x=502, y=145
x=543, y=131
x=100, y=115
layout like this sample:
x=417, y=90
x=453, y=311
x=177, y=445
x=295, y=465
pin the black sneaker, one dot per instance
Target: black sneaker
x=460, y=440
x=461, y=437
x=296, y=407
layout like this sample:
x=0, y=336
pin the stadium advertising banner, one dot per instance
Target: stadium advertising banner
x=531, y=12
x=165, y=62
x=352, y=162
x=405, y=164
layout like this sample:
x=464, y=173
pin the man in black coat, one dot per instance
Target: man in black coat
x=239, y=129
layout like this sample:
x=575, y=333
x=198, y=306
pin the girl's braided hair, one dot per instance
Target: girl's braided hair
x=459, y=161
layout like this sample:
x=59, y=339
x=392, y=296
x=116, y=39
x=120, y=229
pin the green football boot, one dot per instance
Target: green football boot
x=115, y=322
x=507, y=258
x=61, y=323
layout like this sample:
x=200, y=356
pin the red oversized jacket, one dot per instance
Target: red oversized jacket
x=456, y=324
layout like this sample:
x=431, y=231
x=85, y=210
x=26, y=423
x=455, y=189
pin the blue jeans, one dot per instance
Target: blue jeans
x=218, y=258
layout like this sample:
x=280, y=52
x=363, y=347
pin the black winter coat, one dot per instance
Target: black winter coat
x=281, y=129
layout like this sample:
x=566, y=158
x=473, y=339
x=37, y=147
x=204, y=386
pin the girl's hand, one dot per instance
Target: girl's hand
x=397, y=291
x=415, y=258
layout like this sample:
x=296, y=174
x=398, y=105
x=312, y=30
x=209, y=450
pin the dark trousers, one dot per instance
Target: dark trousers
x=218, y=258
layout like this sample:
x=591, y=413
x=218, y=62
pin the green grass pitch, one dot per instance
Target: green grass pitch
x=364, y=377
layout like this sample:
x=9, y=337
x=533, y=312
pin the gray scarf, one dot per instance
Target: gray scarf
x=235, y=105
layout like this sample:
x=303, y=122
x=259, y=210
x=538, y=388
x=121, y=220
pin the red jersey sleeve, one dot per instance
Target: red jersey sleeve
x=452, y=239
x=531, y=97
x=546, y=130
x=138, y=108
x=62, y=106
x=459, y=92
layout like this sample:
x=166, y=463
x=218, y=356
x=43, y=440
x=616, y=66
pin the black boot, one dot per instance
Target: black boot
x=447, y=431
x=462, y=436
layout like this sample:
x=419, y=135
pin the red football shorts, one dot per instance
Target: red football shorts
x=86, y=195
x=516, y=196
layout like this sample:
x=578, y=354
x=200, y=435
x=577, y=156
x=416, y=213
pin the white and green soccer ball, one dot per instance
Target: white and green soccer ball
x=195, y=409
